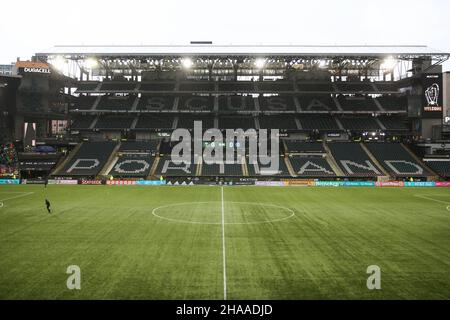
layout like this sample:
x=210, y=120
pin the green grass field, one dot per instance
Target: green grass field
x=280, y=243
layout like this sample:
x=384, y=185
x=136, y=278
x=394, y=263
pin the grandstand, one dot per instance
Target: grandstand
x=361, y=135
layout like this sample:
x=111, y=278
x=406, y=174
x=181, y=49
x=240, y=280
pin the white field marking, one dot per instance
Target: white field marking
x=154, y=213
x=428, y=198
x=223, y=251
x=24, y=194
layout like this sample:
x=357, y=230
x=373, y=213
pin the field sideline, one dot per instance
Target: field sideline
x=166, y=242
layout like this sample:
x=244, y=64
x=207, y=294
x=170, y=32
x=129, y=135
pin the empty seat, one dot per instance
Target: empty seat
x=396, y=160
x=132, y=166
x=323, y=123
x=285, y=122
x=353, y=160
x=311, y=167
x=89, y=160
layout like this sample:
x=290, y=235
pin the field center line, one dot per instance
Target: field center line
x=223, y=251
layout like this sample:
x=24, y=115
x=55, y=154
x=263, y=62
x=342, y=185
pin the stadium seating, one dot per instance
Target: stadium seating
x=198, y=86
x=186, y=121
x=82, y=122
x=83, y=103
x=240, y=86
x=155, y=121
x=285, y=122
x=114, y=122
x=89, y=160
x=354, y=87
x=353, y=160
x=139, y=146
x=118, y=86
x=9, y=161
x=304, y=147
x=394, y=123
x=315, y=86
x=359, y=124
x=258, y=169
x=155, y=103
x=277, y=103
x=309, y=102
x=132, y=166
x=222, y=169
x=357, y=103
x=440, y=166
x=196, y=103
x=396, y=160
x=167, y=168
x=116, y=102
x=386, y=86
x=157, y=86
x=275, y=86
x=235, y=103
x=236, y=122
x=323, y=123
x=87, y=86
x=393, y=103
x=311, y=167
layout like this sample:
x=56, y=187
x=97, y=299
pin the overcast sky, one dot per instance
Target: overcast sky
x=29, y=26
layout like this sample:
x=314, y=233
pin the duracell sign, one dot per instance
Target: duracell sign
x=32, y=67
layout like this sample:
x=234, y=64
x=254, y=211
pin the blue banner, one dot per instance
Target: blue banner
x=150, y=182
x=9, y=181
x=421, y=184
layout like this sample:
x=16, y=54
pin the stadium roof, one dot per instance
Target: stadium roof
x=242, y=50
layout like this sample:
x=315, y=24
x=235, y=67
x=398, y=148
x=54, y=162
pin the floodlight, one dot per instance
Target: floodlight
x=59, y=63
x=260, y=62
x=389, y=63
x=187, y=63
x=91, y=63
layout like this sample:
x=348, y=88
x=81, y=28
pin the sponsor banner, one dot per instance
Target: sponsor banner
x=270, y=183
x=329, y=183
x=299, y=183
x=432, y=96
x=9, y=181
x=443, y=184
x=359, y=183
x=91, y=182
x=63, y=181
x=33, y=181
x=150, y=183
x=32, y=67
x=420, y=184
x=244, y=183
x=121, y=182
x=390, y=184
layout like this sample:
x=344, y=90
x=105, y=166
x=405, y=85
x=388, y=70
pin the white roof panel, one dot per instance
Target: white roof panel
x=239, y=50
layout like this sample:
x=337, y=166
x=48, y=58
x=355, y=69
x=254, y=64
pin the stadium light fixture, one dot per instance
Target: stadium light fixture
x=91, y=63
x=187, y=63
x=260, y=62
x=389, y=63
x=59, y=63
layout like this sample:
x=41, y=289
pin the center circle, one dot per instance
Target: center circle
x=235, y=213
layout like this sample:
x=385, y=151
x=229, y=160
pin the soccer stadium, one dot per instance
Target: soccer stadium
x=313, y=172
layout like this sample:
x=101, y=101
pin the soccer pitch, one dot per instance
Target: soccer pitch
x=214, y=242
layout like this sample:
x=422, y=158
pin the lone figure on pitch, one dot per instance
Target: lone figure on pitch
x=47, y=204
